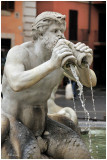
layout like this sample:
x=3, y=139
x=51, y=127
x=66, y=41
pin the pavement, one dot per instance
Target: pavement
x=99, y=96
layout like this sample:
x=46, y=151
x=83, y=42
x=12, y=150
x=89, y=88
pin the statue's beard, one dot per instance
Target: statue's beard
x=49, y=45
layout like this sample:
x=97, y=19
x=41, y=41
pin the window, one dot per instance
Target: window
x=5, y=46
x=102, y=27
x=73, y=21
x=7, y=6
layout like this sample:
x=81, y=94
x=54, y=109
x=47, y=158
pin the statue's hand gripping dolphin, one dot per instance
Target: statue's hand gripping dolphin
x=62, y=54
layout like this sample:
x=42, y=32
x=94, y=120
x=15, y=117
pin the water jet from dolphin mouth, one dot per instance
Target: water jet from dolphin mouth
x=93, y=101
x=82, y=100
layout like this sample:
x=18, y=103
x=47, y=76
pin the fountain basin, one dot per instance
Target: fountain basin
x=98, y=138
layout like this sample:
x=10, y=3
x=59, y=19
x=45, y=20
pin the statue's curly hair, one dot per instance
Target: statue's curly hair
x=44, y=20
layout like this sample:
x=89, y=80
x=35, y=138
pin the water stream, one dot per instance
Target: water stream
x=80, y=88
x=98, y=142
x=73, y=99
x=81, y=97
x=93, y=101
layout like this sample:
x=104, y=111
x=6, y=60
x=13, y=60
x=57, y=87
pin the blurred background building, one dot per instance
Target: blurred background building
x=85, y=20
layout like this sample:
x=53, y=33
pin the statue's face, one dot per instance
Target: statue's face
x=52, y=35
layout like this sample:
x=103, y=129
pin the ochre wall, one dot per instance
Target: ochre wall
x=11, y=24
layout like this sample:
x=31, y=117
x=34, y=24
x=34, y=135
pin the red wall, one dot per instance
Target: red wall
x=14, y=23
x=44, y=6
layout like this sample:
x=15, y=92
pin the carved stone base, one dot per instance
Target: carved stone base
x=58, y=141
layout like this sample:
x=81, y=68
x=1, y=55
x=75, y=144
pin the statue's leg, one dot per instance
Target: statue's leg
x=21, y=143
x=5, y=126
x=63, y=142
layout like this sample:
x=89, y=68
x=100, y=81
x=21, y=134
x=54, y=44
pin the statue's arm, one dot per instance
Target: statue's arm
x=17, y=76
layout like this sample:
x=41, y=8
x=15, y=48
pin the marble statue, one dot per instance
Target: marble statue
x=31, y=72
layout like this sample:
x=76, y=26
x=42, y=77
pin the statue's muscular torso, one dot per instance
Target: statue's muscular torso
x=29, y=105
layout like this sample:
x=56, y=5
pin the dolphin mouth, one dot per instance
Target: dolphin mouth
x=61, y=38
